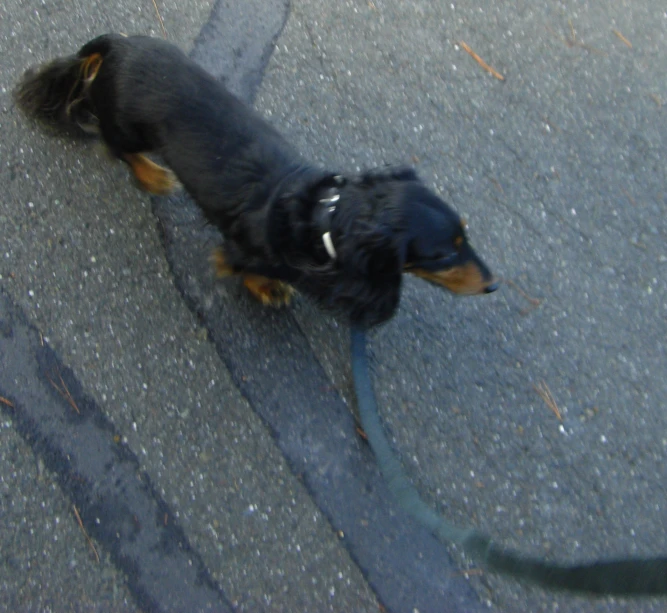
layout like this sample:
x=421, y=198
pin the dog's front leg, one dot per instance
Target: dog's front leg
x=270, y=292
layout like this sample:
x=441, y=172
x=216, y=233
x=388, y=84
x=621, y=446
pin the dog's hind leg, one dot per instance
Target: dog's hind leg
x=150, y=176
x=269, y=292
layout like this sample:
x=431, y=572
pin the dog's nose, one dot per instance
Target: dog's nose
x=491, y=287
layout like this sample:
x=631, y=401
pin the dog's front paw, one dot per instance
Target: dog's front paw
x=269, y=292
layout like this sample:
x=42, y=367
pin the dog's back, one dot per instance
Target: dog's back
x=143, y=94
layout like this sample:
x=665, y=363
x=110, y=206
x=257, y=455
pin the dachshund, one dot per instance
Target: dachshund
x=344, y=240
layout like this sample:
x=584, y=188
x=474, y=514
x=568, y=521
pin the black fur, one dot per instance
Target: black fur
x=147, y=96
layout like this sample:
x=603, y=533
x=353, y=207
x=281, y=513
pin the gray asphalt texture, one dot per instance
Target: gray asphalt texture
x=560, y=170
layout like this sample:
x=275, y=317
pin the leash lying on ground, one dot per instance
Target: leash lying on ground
x=623, y=577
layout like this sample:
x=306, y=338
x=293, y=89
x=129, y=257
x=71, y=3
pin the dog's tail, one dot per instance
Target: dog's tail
x=57, y=92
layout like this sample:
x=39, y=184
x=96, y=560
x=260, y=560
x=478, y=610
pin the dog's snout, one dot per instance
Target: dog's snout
x=491, y=287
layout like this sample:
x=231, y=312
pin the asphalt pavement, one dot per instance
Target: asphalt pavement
x=167, y=444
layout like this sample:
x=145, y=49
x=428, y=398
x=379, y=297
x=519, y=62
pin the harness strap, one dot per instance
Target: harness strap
x=622, y=577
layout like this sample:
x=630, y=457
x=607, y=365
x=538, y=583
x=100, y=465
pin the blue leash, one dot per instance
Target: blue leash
x=623, y=577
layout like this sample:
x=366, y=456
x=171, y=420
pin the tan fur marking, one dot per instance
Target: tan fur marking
x=222, y=269
x=87, y=72
x=151, y=176
x=90, y=66
x=269, y=292
x=466, y=279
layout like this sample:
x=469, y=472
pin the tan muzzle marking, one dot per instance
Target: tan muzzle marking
x=466, y=279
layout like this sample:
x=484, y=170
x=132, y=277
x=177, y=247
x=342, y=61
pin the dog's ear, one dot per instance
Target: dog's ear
x=378, y=255
x=379, y=272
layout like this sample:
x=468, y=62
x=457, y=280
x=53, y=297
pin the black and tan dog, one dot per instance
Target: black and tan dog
x=343, y=240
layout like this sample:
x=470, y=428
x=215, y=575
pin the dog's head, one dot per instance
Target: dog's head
x=437, y=247
x=365, y=231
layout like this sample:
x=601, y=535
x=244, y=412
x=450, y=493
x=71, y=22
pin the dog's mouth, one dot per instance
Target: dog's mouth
x=467, y=279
